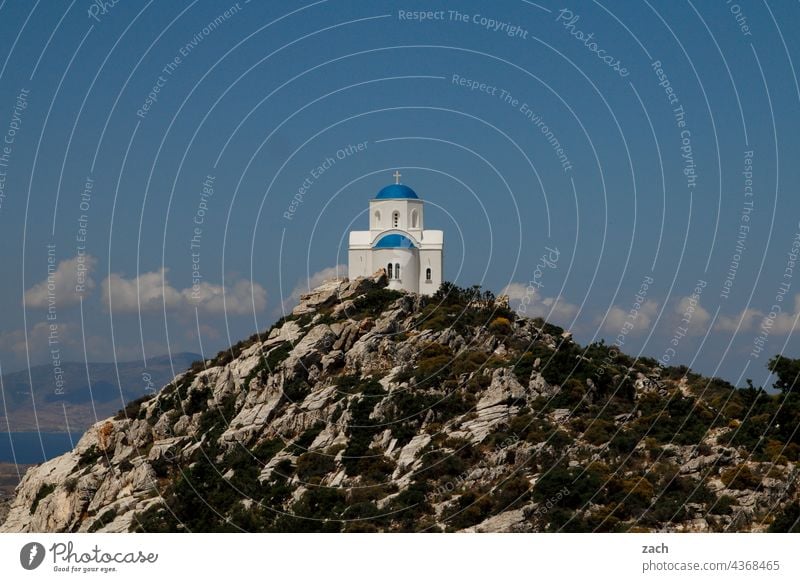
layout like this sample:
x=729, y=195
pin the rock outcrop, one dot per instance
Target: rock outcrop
x=372, y=410
x=4, y=506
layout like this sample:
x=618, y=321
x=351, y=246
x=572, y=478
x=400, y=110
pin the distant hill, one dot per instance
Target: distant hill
x=104, y=395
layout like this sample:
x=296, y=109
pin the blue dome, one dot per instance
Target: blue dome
x=394, y=241
x=396, y=191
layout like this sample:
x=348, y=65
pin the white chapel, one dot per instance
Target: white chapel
x=398, y=242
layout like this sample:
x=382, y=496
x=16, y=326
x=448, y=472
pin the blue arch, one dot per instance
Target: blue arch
x=394, y=241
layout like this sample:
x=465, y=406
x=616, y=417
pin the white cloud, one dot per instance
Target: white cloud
x=240, y=298
x=314, y=280
x=151, y=291
x=526, y=301
x=515, y=291
x=147, y=292
x=70, y=279
x=39, y=336
x=782, y=322
x=617, y=318
x=689, y=308
x=786, y=323
x=748, y=319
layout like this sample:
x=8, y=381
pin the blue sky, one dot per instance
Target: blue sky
x=260, y=97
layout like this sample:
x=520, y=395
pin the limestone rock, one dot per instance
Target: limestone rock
x=504, y=388
x=408, y=453
x=508, y=521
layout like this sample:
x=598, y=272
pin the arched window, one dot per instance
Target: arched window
x=397, y=270
x=428, y=274
x=395, y=219
x=377, y=218
x=413, y=219
x=389, y=271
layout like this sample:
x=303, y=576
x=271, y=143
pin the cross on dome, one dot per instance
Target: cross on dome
x=397, y=175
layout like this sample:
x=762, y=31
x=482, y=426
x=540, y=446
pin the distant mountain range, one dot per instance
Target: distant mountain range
x=111, y=387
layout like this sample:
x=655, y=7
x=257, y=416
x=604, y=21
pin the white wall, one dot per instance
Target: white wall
x=409, y=267
x=358, y=264
x=430, y=258
x=388, y=207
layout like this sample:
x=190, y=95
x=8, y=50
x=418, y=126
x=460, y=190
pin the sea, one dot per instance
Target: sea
x=34, y=447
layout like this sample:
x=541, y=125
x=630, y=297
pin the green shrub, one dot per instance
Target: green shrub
x=133, y=408
x=468, y=362
x=374, y=302
x=267, y=449
x=161, y=466
x=787, y=521
x=724, y=505
x=314, y=465
x=277, y=355
x=407, y=410
x=599, y=432
x=374, y=467
x=362, y=517
x=296, y=390
x=89, y=456
x=460, y=308
x=630, y=496
x=433, y=366
x=560, y=486
x=348, y=383
x=301, y=444
x=788, y=372
x=530, y=428
x=197, y=400
x=362, y=428
x=624, y=442
x=103, y=520
x=511, y=494
x=470, y=509
x=441, y=465
x=523, y=367
x=740, y=477
x=409, y=508
x=284, y=469
x=323, y=506
x=43, y=492
x=225, y=357
x=155, y=519
x=214, y=420
x=125, y=465
x=501, y=326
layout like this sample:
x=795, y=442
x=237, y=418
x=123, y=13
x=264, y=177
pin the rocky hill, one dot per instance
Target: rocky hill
x=372, y=410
